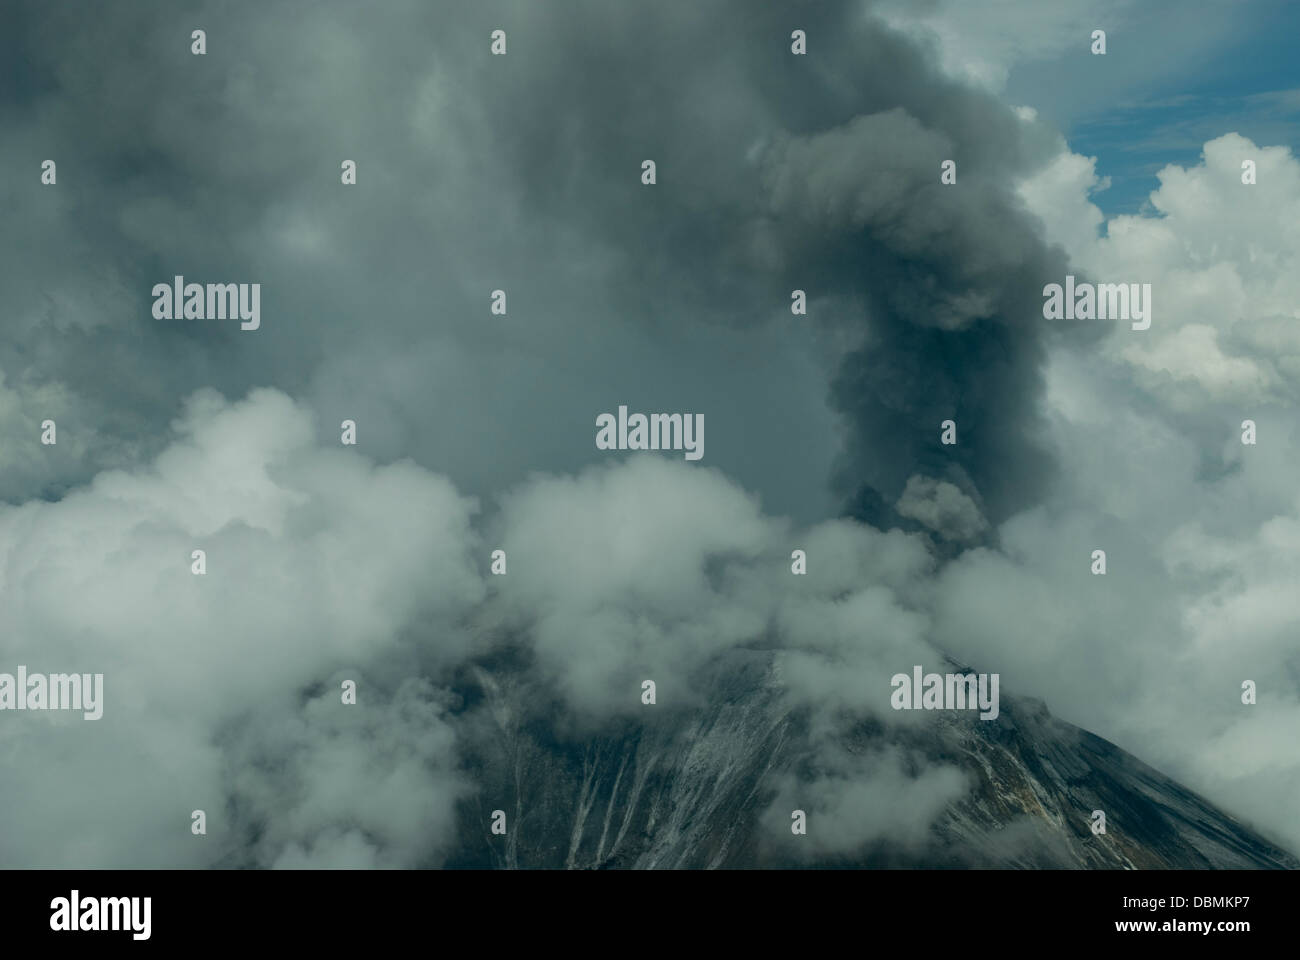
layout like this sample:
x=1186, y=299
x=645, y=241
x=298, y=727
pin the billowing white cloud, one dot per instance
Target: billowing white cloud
x=317, y=562
x=1223, y=261
x=223, y=690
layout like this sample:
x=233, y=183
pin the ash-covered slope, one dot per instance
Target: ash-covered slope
x=690, y=788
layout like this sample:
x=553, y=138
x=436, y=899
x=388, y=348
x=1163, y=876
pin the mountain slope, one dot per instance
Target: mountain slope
x=691, y=789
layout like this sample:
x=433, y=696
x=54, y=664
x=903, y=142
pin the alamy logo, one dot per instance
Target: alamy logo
x=102, y=913
x=213, y=301
x=58, y=691
x=951, y=691
x=1106, y=301
x=659, y=431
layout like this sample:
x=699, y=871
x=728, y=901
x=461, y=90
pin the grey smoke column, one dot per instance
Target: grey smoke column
x=822, y=172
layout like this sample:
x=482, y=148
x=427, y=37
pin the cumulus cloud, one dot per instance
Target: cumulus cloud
x=1221, y=257
x=630, y=572
x=333, y=787
x=318, y=561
